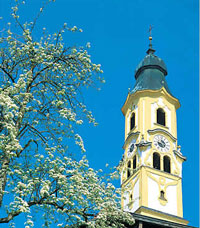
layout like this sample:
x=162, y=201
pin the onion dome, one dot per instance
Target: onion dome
x=150, y=73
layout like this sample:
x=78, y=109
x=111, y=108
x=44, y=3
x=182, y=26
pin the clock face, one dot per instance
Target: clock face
x=130, y=149
x=161, y=143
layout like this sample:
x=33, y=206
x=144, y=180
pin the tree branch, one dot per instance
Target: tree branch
x=9, y=217
x=27, y=145
x=3, y=177
x=9, y=75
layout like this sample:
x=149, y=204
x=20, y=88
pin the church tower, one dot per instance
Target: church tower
x=151, y=168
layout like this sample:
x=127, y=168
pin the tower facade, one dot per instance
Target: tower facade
x=151, y=168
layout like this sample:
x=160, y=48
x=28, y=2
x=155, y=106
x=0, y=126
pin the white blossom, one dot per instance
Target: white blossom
x=41, y=110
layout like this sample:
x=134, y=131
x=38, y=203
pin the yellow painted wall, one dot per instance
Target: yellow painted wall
x=143, y=100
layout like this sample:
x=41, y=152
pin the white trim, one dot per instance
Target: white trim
x=143, y=110
x=136, y=116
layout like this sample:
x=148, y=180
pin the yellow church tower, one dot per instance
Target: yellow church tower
x=151, y=168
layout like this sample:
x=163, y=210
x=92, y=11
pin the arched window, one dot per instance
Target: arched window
x=166, y=164
x=128, y=169
x=134, y=162
x=132, y=123
x=156, y=160
x=161, y=116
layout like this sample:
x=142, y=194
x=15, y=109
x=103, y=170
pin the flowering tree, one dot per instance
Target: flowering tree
x=40, y=108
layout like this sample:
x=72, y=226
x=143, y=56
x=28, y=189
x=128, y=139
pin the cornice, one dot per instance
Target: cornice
x=179, y=155
x=129, y=136
x=162, y=130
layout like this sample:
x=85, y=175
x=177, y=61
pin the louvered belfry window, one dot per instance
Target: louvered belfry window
x=156, y=160
x=161, y=116
x=132, y=125
x=128, y=169
x=134, y=162
x=166, y=164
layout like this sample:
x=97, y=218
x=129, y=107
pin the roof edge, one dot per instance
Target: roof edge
x=174, y=99
x=144, y=218
x=139, y=71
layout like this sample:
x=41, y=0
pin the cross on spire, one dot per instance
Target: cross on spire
x=150, y=37
x=150, y=50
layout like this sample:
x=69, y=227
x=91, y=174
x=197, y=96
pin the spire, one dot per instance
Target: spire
x=151, y=71
x=150, y=50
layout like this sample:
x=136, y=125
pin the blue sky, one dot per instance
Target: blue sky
x=118, y=33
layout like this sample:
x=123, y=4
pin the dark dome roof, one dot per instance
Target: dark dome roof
x=150, y=73
x=151, y=61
